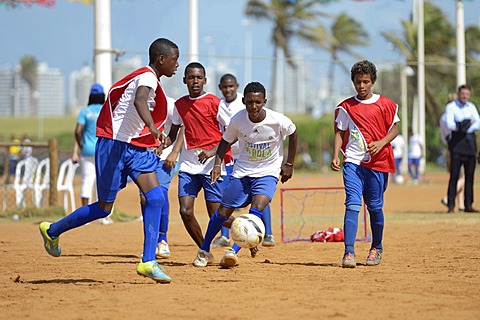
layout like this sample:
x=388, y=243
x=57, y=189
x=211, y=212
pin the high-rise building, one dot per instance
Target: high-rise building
x=17, y=98
x=80, y=82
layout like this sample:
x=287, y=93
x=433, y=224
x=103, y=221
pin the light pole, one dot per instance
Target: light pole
x=248, y=51
x=461, y=66
x=406, y=72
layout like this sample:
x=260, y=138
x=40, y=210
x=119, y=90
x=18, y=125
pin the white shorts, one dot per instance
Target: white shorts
x=87, y=168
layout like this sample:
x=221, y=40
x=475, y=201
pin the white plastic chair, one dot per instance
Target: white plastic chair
x=24, y=176
x=42, y=181
x=65, y=183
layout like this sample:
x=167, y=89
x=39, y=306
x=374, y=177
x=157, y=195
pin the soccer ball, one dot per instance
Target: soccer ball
x=247, y=230
x=399, y=179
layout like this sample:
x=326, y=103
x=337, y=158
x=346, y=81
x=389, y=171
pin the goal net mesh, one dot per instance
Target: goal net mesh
x=305, y=211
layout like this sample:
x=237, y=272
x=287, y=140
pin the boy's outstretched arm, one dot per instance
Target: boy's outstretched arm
x=217, y=166
x=337, y=144
x=287, y=168
x=375, y=146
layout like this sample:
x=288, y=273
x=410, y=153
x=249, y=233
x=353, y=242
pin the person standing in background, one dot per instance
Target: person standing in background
x=398, y=144
x=415, y=145
x=463, y=120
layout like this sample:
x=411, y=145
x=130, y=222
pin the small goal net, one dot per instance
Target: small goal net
x=305, y=211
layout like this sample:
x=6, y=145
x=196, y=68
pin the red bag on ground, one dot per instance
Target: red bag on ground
x=329, y=235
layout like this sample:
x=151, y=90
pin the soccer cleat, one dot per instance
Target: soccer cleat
x=229, y=260
x=51, y=244
x=106, y=221
x=221, y=241
x=253, y=251
x=203, y=258
x=348, y=261
x=268, y=241
x=374, y=257
x=152, y=270
x=163, y=251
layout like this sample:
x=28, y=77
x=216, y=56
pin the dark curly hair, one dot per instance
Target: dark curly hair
x=364, y=67
x=160, y=47
x=255, y=87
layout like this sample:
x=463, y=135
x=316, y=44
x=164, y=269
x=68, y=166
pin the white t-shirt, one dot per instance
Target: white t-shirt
x=234, y=107
x=398, y=144
x=126, y=122
x=261, y=144
x=168, y=125
x=357, y=148
x=415, y=146
x=189, y=157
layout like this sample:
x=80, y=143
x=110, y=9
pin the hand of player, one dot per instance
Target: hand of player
x=75, y=158
x=171, y=160
x=375, y=147
x=204, y=155
x=286, y=172
x=157, y=151
x=335, y=164
x=215, y=173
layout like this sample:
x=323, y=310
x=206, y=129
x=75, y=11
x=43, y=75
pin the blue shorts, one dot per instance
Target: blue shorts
x=164, y=175
x=117, y=160
x=189, y=185
x=240, y=191
x=226, y=178
x=364, y=182
x=414, y=161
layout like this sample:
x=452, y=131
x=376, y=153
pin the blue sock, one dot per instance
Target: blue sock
x=162, y=234
x=376, y=224
x=256, y=212
x=267, y=220
x=236, y=247
x=77, y=218
x=214, y=225
x=350, y=226
x=151, y=222
x=226, y=232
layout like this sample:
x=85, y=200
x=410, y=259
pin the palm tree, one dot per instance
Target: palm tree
x=28, y=72
x=289, y=17
x=345, y=33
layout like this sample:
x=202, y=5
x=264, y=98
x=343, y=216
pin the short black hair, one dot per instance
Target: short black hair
x=464, y=86
x=195, y=65
x=228, y=76
x=160, y=47
x=96, y=98
x=364, y=67
x=255, y=87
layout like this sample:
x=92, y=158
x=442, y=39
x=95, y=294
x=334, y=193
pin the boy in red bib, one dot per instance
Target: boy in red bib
x=364, y=126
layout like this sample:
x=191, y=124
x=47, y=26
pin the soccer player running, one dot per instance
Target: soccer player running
x=203, y=116
x=260, y=133
x=364, y=126
x=130, y=121
x=233, y=100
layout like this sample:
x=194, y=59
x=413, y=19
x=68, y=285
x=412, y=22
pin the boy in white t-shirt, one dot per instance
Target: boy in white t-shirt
x=260, y=133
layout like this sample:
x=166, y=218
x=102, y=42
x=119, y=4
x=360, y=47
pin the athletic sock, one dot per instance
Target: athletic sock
x=236, y=247
x=226, y=232
x=214, y=225
x=350, y=226
x=376, y=224
x=151, y=222
x=267, y=220
x=164, y=217
x=256, y=212
x=77, y=218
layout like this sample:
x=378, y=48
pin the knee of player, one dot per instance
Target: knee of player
x=186, y=211
x=225, y=212
x=354, y=207
x=154, y=197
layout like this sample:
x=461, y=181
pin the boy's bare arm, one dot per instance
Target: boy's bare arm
x=375, y=146
x=286, y=171
x=337, y=144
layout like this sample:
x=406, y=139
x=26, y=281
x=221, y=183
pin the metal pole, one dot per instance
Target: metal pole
x=421, y=76
x=193, y=29
x=461, y=66
x=103, y=43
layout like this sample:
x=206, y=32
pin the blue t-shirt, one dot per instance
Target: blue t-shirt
x=88, y=118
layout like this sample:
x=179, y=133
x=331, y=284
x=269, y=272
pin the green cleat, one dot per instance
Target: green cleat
x=374, y=257
x=51, y=244
x=152, y=270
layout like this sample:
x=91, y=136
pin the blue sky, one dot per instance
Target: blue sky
x=62, y=35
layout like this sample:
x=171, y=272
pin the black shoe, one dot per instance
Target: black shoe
x=450, y=210
x=471, y=210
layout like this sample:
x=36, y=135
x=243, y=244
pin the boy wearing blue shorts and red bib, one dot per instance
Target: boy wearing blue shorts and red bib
x=260, y=133
x=364, y=126
x=130, y=122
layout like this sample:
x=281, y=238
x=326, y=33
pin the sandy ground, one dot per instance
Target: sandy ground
x=430, y=268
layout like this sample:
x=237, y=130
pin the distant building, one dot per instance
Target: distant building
x=126, y=66
x=80, y=82
x=16, y=98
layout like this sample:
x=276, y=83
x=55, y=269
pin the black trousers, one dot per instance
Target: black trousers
x=468, y=163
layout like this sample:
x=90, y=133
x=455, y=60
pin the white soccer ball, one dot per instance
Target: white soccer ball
x=399, y=179
x=247, y=230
